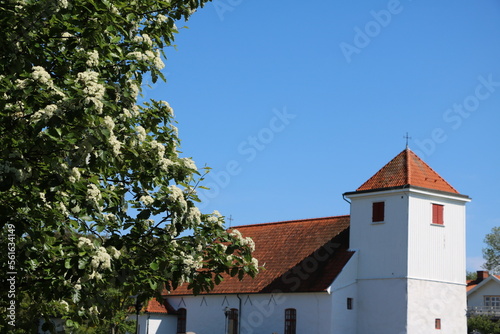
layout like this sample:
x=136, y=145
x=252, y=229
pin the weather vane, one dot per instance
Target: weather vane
x=407, y=137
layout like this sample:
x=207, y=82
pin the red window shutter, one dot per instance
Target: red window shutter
x=378, y=211
x=437, y=214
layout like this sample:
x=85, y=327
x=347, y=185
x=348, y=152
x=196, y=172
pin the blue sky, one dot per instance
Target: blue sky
x=294, y=103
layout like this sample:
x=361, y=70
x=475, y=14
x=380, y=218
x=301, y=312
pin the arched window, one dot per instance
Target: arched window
x=181, y=321
x=232, y=321
x=290, y=321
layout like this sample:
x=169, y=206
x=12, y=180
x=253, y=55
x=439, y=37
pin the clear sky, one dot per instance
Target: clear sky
x=293, y=103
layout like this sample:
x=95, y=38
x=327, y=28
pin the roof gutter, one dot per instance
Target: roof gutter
x=345, y=199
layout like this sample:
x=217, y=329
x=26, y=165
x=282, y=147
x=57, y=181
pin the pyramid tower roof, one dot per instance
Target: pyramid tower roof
x=407, y=169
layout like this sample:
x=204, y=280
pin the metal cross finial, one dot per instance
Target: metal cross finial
x=230, y=219
x=407, y=137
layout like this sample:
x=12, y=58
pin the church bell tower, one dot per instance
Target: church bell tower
x=408, y=228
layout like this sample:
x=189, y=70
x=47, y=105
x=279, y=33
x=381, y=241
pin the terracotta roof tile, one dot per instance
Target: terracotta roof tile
x=153, y=306
x=299, y=255
x=407, y=169
x=471, y=284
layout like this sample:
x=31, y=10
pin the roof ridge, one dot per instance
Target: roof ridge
x=408, y=169
x=438, y=175
x=289, y=221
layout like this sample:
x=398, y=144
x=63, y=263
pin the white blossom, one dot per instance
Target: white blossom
x=167, y=107
x=92, y=58
x=158, y=147
x=250, y=243
x=165, y=163
x=41, y=75
x=75, y=209
x=75, y=175
x=115, y=144
x=194, y=215
x=109, y=123
x=188, y=163
x=141, y=133
x=93, y=90
x=94, y=310
x=65, y=305
x=115, y=253
x=255, y=262
x=161, y=18
x=44, y=114
x=147, y=40
x=63, y=3
x=147, y=200
x=93, y=193
x=101, y=259
x=82, y=242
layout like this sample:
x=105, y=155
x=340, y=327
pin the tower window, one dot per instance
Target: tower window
x=378, y=210
x=349, y=303
x=437, y=323
x=437, y=214
x=181, y=321
x=290, y=321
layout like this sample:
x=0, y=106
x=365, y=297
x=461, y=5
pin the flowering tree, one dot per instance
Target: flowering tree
x=93, y=192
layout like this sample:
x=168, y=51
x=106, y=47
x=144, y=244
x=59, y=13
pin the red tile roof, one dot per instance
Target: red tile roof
x=153, y=306
x=471, y=284
x=407, y=169
x=299, y=255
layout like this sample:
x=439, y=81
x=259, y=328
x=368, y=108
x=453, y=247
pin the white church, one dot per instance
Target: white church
x=395, y=265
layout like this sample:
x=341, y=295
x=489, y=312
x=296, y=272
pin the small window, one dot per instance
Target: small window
x=232, y=324
x=437, y=323
x=349, y=303
x=437, y=214
x=290, y=321
x=181, y=321
x=492, y=301
x=378, y=210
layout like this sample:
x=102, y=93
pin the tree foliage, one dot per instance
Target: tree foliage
x=492, y=251
x=483, y=325
x=79, y=157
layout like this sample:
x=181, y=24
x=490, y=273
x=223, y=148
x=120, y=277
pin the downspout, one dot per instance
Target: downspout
x=147, y=323
x=343, y=196
x=240, y=313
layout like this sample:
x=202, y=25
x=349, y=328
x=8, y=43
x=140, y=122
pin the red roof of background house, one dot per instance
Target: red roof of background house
x=471, y=284
x=407, y=169
x=299, y=256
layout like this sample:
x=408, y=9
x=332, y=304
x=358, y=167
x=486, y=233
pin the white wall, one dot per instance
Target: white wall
x=157, y=323
x=344, y=286
x=431, y=300
x=436, y=251
x=382, y=246
x=259, y=313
